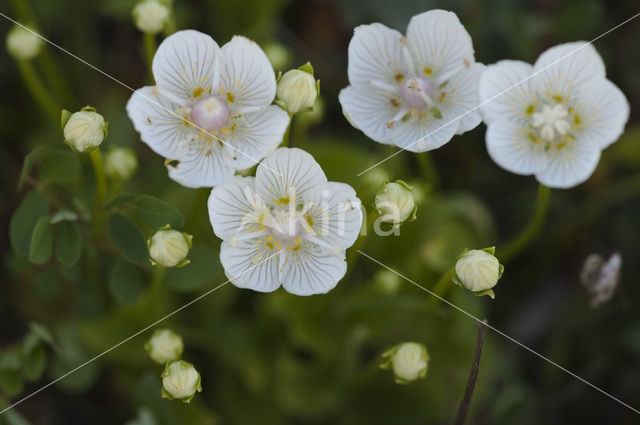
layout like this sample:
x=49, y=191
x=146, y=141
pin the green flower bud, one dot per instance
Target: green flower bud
x=84, y=130
x=22, y=44
x=169, y=247
x=409, y=361
x=164, y=346
x=180, y=381
x=297, y=89
x=151, y=16
x=478, y=270
x=120, y=163
x=395, y=203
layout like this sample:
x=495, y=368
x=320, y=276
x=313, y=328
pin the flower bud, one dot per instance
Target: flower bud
x=478, y=270
x=164, y=346
x=169, y=247
x=83, y=130
x=395, y=203
x=151, y=16
x=181, y=381
x=23, y=44
x=409, y=361
x=297, y=89
x=120, y=163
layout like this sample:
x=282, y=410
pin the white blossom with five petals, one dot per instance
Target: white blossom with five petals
x=415, y=92
x=553, y=118
x=286, y=226
x=210, y=112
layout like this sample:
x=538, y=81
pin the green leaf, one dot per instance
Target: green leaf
x=24, y=219
x=42, y=332
x=11, y=382
x=13, y=417
x=125, y=283
x=41, y=242
x=34, y=363
x=63, y=215
x=68, y=242
x=123, y=200
x=128, y=238
x=29, y=162
x=59, y=167
x=156, y=213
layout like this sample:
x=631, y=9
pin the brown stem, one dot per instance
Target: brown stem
x=473, y=374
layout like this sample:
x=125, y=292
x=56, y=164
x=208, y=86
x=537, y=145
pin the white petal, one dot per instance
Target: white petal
x=203, y=165
x=255, y=135
x=511, y=147
x=423, y=134
x=604, y=111
x=505, y=90
x=571, y=165
x=440, y=43
x=251, y=265
x=335, y=216
x=186, y=61
x=375, y=53
x=369, y=110
x=159, y=126
x=290, y=173
x=460, y=101
x=312, y=270
x=565, y=67
x=248, y=79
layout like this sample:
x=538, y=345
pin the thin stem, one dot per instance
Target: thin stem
x=39, y=91
x=101, y=181
x=531, y=229
x=428, y=169
x=149, y=52
x=441, y=286
x=473, y=374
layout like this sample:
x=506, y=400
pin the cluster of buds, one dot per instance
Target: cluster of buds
x=84, y=130
x=169, y=247
x=478, y=270
x=409, y=361
x=297, y=89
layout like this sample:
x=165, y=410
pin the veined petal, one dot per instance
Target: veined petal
x=515, y=148
x=160, y=127
x=505, y=90
x=376, y=53
x=570, y=165
x=251, y=265
x=422, y=134
x=288, y=174
x=311, y=270
x=565, y=67
x=186, y=64
x=202, y=165
x=370, y=111
x=602, y=112
x=253, y=135
x=459, y=98
x=440, y=43
x=248, y=79
x=334, y=216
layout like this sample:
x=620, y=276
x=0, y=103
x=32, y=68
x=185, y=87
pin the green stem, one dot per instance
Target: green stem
x=428, y=169
x=39, y=91
x=531, y=229
x=101, y=181
x=149, y=52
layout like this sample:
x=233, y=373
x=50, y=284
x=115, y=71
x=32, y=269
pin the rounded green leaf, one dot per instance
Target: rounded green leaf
x=156, y=213
x=24, y=219
x=68, y=242
x=41, y=242
x=34, y=363
x=128, y=238
x=125, y=283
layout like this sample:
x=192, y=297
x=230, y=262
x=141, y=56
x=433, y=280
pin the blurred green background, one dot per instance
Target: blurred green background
x=280, y=359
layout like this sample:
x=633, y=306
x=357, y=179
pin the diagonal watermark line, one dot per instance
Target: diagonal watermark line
x=135, y=92
x=532, y=351
x=133, y=336
x=475, y=108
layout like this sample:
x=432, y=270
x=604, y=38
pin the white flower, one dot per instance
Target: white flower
x=120, y=163
x=84, y=130
x=600, y=277
x=395, y=203
x=151, y=16
x=169, y=247
x=287, y=226
x=180, y=380
x=478, y=270
x=408, y=360
x=164, y=346
x=211, y=110
x=414, y=92
x=297, y=89
x=554, y=117
x=23, y=44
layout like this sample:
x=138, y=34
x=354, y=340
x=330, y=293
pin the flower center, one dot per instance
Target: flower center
x=210, y=113
x=551, y=122
x=286, y=226
x=417, y=93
